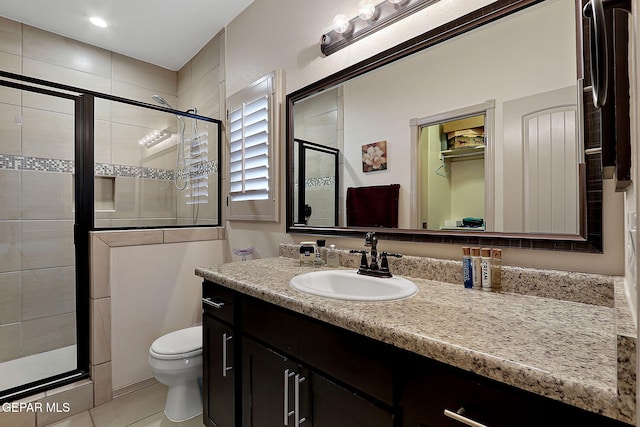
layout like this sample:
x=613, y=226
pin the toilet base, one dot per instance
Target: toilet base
x=184, y=402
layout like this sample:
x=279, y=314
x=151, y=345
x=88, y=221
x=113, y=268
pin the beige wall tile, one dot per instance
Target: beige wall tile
x=100, y=331
x=48, y=292
x=158, y=198
x=131, y=238
x=102, y=141
x=102, y=384
x=47, y=195
x=127, y=202
x=47, y=102
x=190, y=234
x=9, y=342
x=10, y=195
x=51, y=48
x=13, y=64
x=10, y=36
x=9, y=297
x=47, y=134
x=47, y=244
x=125, y=149
x=150, y=119
x=143, y=74
x=10, y=238
x=100, y=268
x=79, y=397
x=10, y=131
x=65, y=75
x=48, y=333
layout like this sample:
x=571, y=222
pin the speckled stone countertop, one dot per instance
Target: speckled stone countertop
x=561, y=349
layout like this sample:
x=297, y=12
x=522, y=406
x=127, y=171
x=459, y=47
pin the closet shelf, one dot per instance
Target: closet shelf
x=463, y=153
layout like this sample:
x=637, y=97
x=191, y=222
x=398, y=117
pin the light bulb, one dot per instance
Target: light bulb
x=366, y=9
x=341, y=23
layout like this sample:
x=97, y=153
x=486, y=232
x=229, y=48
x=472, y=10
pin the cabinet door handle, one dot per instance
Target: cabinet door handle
x=298, y=420
x=225, y=368
x=464, y=420
x=212, y=303
x=287, y=374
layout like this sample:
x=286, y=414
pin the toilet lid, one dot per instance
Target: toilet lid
x=187, y=342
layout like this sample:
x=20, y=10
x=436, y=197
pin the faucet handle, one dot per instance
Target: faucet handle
x=363, y=260
x=385, y=254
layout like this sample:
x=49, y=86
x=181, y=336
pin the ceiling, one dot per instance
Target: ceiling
x=167, y=33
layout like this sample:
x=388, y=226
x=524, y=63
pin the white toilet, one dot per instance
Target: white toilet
x=176, y=361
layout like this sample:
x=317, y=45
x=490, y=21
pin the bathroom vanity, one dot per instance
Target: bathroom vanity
x=447, y=356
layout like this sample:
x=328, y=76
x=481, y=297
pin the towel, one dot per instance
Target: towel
x=373, y=206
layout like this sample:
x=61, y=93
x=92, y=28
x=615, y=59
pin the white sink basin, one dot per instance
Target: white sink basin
x=349, y=285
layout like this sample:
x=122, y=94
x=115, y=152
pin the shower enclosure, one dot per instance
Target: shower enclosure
x=72, y=161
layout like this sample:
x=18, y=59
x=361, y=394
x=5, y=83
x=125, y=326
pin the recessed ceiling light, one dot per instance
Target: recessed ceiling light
x=98, y=22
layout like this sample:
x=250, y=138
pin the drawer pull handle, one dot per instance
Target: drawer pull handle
x=225, y=368
x=298, y=420
x=287, y=374
x=464, y=420
x=212, y=303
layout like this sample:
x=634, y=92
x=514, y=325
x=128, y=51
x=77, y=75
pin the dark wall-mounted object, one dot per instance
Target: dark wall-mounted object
x=609, y=67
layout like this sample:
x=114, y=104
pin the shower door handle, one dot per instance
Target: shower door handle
x=225, y=368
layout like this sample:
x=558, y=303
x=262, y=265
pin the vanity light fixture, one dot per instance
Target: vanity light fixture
x=155, y=137
x=371, y=18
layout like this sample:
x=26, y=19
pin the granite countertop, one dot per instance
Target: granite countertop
x=560, y=349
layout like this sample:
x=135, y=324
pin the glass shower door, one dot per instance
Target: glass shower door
x=38, y=331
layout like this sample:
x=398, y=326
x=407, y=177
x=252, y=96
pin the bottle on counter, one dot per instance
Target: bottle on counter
x=496, y=270
x=307, y=254
x=476, y=268
x=467, y=274
x=333, y=257
x=320, y=244
x=485, y=263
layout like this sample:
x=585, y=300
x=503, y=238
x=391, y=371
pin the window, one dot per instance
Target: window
x=252, y=118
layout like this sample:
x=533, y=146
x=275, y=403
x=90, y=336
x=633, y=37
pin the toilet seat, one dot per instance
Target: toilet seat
x=178, y=344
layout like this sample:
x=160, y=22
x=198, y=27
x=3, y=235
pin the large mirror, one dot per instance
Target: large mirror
x=476, y=136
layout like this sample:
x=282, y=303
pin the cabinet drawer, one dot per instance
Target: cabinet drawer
x=361, y=362
x=270, y=324
x=219, y=302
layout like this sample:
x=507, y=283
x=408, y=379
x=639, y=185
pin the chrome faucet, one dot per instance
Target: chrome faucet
x=373, y=269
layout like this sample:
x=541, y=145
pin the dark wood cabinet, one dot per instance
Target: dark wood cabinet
x=290, y=370
x=219, y=356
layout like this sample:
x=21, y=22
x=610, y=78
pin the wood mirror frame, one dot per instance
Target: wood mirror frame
x=591, y=172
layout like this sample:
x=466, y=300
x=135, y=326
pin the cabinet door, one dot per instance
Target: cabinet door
x=268, y=387
x=334, y=406
x=219, y=374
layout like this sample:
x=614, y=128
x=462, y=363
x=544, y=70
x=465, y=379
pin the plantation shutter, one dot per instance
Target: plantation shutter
x=252, y=123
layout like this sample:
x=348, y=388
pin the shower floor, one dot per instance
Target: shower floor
x=36, y=367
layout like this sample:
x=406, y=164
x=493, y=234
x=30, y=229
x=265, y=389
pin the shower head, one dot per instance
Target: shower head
x=160, y=100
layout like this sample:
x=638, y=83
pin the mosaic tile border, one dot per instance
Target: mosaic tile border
x=39, y=164
x=319, y=181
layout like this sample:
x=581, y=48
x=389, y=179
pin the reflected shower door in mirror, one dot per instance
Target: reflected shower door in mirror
x=527, y=178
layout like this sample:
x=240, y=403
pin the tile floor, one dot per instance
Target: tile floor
x=141, y=408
